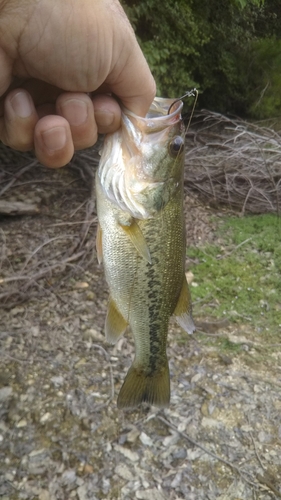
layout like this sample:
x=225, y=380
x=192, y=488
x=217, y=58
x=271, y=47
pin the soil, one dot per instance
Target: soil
x=61, y=434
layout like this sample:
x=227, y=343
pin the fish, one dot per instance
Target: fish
x=142, y=244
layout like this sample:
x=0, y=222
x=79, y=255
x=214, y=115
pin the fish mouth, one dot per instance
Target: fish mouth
x=163, y=114
x=158, y=117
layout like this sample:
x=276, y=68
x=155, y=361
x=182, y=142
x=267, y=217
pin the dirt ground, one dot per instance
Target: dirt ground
x=61, y=434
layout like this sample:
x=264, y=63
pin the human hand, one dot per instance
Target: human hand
x=59, y=61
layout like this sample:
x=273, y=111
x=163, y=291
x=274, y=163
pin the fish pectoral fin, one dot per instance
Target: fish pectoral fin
x=183, y=310
x=115, y=324
x=137, y=238
x=140, y=386
x=99, y=244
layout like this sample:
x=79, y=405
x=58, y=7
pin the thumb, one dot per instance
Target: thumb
x=134, y=84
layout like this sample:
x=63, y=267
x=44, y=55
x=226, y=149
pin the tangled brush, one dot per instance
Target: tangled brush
x=234, y=162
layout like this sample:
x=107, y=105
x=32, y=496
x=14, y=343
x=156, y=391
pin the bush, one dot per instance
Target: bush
x=264, y=97
x=206, y=44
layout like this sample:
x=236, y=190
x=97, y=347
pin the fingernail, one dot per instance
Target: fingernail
x=75, y=111
x=21, y=105
x=55, y=138
x=104, y=118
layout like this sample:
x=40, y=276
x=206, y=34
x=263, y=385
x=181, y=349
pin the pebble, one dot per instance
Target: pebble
x=92, y=334
x=150, y=494
x=124, y=472
x=44, y=495
x=5, y=394
x=131, y=455
x=82, y=492
x=21, y=423
x=58, y=380
x=180, y=454
x=171, y=440
x=263, y=437
x=145, y=439
x=210, y=422
x=68, y=476
x=47, y=416
x=177, y=480
x=196, y=378
x=133, y=435
x=38, y=455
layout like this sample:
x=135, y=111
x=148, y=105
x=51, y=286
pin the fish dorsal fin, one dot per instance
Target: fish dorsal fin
x=137, y=238
x=183, y=309
x=99, y=244
x=115, y=324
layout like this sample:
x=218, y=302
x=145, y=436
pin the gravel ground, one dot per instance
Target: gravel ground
x=61, y=434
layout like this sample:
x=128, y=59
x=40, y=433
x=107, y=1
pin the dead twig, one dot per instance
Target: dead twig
x=210, y=453
x=230, y=161
x=17, y=208
x=268, y=483
x=255, y=448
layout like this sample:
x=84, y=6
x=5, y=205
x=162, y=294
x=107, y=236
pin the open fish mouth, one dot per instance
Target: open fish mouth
x=162, y=113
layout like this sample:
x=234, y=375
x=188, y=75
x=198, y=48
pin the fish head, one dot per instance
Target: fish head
x=142, y=164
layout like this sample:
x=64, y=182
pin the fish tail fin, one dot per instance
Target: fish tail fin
x=140, y=386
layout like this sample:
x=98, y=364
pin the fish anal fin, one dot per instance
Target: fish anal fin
x=99, y=244
x=115, y=324
x=183, y=310
x=140, y=386
x=137, y=238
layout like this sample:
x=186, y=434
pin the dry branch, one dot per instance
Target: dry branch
x=230, y=161
x=18, y=208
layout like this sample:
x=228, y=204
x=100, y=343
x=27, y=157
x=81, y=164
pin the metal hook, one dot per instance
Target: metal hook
x=190, y=93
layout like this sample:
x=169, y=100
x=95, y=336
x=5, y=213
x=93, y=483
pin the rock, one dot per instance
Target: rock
x=133, y=435
x=45, y=418
x=145, y=439
x=196, y=378
x=68, y=476
x=38, y=456
x=131, y=455
x=264, y=437
x=210, y=422
x=180, y=454
x=124, y=472
x=177, y=480
x=44, y=495
x=92, y=334
x=58, y=380
x=171, y=440
x=21, y=423
x=151, y=494
x=82, y=492
x=5, y=394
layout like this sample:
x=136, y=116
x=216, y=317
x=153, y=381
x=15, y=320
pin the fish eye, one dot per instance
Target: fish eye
x=176, y=146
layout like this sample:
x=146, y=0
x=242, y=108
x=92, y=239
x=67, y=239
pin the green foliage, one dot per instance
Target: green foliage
x=244, y=3
x=206, y=44
x=171, y=36
x=241, y=279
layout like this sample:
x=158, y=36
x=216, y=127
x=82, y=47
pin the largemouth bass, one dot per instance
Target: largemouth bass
x=141, y=241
